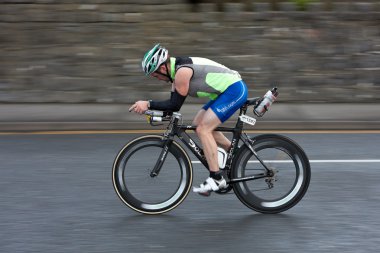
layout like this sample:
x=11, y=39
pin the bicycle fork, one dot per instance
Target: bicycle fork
x=161, y=158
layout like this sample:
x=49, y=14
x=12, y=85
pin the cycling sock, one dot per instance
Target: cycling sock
x=216, y=175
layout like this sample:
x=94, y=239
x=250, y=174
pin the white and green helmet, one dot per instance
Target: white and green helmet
x=154, y=58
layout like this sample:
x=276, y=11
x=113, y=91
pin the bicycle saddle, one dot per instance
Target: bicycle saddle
x=252, y=101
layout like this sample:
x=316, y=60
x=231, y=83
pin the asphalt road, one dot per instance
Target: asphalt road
x=56, y=195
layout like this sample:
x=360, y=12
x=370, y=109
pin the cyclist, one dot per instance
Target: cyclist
x=198, y=77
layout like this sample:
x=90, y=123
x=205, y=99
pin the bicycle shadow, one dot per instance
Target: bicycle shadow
x=176, y=231
x=232, y=221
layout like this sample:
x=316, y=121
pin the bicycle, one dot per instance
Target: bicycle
x=269, y=173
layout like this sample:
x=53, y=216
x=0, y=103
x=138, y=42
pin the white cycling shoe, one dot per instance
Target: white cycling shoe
x=210, y=185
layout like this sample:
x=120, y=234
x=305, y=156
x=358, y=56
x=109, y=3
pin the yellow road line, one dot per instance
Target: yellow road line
x=67, y=132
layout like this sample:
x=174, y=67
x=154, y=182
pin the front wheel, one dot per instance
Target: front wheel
x=287, y=181
x=133, y=183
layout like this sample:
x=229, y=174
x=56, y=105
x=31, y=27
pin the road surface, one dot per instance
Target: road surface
x=56, y=195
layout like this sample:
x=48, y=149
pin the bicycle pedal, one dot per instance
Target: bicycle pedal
x=205, y=194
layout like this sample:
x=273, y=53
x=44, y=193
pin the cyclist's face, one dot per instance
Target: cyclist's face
x=160, y=74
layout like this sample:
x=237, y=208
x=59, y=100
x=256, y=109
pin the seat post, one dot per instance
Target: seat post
x=243, y=109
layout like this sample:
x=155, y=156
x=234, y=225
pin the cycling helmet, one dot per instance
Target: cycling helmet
x=154, y=58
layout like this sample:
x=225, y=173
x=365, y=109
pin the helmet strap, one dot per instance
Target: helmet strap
x=167, y=73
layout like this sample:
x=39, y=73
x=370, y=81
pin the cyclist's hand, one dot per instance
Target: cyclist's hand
x=139, y=107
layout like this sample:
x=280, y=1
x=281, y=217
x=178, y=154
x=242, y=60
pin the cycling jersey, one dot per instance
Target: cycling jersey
x=209, y=79
x=224, y=87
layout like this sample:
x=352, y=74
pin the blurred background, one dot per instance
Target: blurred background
x=75, y=65
x=63, y=60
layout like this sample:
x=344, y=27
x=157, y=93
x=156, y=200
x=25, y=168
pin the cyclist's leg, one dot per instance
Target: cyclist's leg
x=219, y=137
x=204, y=131
x=217, y=112
x=225, y=106
x=222, y=140
x=198, y=117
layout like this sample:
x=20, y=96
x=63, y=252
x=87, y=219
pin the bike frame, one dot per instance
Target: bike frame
x=174, y=129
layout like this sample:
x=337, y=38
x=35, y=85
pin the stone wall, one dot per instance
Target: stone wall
x=65, y=52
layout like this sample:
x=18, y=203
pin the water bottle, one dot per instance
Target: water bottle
x=268, y=99
x=222, y=158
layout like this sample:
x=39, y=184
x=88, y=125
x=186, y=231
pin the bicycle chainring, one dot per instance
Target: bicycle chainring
x=229, y=187
x=225, y=190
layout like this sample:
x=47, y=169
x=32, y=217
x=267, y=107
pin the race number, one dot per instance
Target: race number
x=248, y=120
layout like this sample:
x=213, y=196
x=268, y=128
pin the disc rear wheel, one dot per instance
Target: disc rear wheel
x=287, y=180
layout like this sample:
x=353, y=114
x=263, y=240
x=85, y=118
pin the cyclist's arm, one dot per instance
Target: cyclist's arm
x=173, y=104
x=178, y=96
x=182, y=80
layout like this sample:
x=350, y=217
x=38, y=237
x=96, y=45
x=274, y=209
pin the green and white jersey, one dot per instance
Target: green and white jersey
x=209, y=78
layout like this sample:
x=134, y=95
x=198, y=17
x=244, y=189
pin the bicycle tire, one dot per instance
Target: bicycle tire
x=134, y=193
x=296, y=165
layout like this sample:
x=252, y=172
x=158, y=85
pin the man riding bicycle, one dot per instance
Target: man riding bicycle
x=198, y=77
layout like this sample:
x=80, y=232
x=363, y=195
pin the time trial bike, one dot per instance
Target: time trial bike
x=153, y=174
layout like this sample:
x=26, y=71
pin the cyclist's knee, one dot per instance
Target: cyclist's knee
x=203, y=129
x=198, y=130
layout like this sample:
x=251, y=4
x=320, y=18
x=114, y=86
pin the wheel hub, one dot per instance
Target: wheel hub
x=271, y=178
